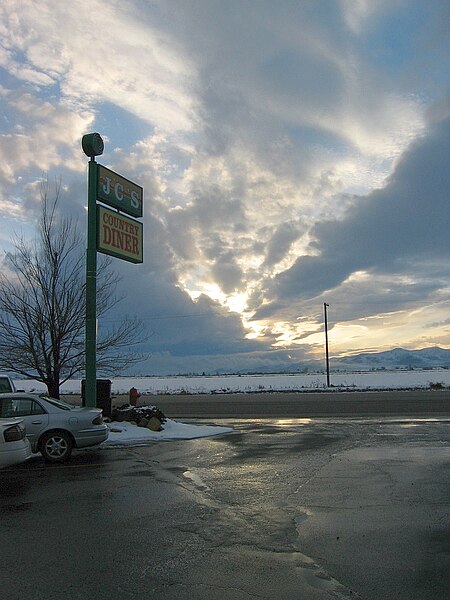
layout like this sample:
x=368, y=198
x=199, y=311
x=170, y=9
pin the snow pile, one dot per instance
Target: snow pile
x=127, y=412
x=125, y=434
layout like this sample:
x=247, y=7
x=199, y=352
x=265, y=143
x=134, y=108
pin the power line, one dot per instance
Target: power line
x=163, y=317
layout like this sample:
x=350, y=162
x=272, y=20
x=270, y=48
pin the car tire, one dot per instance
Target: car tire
x=56, y=446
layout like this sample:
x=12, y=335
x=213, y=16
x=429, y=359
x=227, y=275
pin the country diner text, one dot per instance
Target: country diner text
x=120, y=233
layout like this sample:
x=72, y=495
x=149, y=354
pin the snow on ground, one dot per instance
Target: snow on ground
x=259, y=383
x=125, y=434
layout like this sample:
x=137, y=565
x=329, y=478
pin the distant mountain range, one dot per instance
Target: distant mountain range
x=398, y=358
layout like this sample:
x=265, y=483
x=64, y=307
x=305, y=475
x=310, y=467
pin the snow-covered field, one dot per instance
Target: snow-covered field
x=260, y=383
x=127, y=434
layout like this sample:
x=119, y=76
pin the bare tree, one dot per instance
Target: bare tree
x=43, y=305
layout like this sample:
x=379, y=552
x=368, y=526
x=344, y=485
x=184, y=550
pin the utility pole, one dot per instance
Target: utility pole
x=327, y=359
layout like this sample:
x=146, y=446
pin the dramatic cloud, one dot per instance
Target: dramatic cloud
x=402, y=227
x=291, y=153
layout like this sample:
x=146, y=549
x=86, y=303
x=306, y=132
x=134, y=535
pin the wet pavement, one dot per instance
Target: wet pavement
x=280, y=509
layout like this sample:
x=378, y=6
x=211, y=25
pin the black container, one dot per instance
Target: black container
x=103, y=395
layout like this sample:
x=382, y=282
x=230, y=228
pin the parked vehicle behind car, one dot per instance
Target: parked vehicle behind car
x=6, y=384
x=15, y=447
x=54, y=427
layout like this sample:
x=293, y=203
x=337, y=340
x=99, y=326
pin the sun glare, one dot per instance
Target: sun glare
x=237, y=302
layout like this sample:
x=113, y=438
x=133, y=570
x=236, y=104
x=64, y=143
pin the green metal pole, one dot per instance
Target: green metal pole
x=91, y=289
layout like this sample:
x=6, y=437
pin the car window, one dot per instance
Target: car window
x=58, y=403
x=5, y=385
x=6, y=408
x=20, y=407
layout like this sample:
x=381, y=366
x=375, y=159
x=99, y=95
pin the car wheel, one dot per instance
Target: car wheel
x=56, y=446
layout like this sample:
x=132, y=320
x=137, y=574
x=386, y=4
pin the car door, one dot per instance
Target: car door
x=35, y=417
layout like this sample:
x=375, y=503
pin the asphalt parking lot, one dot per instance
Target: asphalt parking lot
x=280, y=508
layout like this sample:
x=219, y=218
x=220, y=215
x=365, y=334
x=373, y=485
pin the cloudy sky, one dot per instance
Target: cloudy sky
x=291, y=153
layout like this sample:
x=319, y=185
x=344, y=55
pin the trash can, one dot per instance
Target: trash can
x=103, y=395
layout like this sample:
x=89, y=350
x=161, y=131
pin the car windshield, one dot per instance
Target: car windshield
x=58, y=403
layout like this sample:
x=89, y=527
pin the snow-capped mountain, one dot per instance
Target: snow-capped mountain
x=426, y=358
x=398, y=358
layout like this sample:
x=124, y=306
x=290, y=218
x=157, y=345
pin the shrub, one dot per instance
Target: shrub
x=437, y=386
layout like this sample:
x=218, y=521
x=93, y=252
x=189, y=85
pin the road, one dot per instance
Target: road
x=299, y=405
x=312, y=509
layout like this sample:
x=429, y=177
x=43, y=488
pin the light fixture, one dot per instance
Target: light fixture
x=92, y=144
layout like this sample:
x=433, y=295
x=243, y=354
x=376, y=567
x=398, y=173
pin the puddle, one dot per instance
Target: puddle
x=196, y=479
x=312, y=573
x=317, y=578
x=301, y=518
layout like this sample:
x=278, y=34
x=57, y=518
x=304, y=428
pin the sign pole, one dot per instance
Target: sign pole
x=120, y=236
x=91, y=290
x=92, y=145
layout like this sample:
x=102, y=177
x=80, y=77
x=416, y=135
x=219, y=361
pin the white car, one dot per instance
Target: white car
x=15, y=447
x=54, y=427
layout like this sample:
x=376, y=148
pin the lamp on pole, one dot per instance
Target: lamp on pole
x=327, y=358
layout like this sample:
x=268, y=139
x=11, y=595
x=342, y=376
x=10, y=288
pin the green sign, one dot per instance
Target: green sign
x=118, y=235
x=118, y=192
